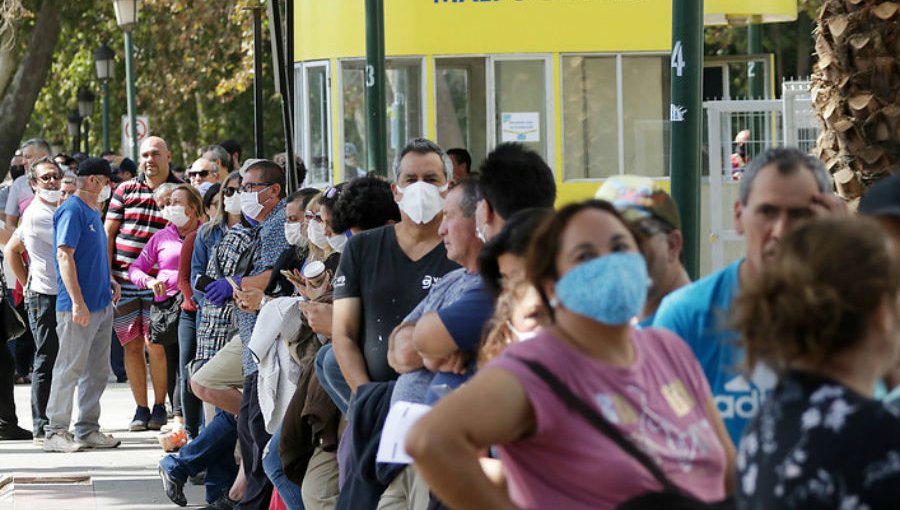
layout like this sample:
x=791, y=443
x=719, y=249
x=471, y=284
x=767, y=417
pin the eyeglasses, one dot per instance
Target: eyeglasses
x=649, y=227
x=309, y=215
x=200, y=173
x=248, y=188
x=50, y=177
x=230, y=190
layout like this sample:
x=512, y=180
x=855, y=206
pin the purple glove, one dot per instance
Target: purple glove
x=220, y=292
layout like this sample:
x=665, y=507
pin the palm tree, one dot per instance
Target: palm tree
x=856, y=91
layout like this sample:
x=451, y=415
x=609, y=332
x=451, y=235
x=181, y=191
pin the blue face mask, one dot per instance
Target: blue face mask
x=611, y=289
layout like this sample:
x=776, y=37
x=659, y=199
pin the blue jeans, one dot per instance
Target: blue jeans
x=288, y=490
x=191, y=406
x=42, y=316
x=213, y=450
x=331, y=378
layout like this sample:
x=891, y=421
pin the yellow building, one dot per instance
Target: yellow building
x=585, y=83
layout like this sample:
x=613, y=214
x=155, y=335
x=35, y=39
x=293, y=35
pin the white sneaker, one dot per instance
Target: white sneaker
x=61, y=442
x=97, y=439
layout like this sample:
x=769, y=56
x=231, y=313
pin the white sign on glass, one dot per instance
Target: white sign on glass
x=520, y=127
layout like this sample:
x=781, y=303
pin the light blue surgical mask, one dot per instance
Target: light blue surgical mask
x=611, y=289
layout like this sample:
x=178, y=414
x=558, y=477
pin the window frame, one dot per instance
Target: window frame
x=620, y=109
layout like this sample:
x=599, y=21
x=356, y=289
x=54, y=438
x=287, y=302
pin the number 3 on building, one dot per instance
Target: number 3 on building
x=370, y=75
x=678, y=62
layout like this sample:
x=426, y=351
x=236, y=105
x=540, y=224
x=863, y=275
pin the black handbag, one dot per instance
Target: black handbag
x=671, y=497
x=12, y=324
x=164, y=320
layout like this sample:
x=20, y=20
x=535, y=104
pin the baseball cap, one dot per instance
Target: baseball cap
x=94, y=166
x=883, y=198
x=637, y=197
x=124, y=164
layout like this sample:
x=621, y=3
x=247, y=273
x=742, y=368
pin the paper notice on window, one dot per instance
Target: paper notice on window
x=520, y=127
x=401, y=418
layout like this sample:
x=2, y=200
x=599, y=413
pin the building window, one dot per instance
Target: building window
x=615, y=115
x=403, y=94
x=461, y=105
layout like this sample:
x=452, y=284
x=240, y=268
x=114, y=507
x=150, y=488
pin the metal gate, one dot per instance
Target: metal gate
x=772, y=123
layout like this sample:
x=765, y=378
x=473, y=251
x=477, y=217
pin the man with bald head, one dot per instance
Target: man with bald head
x=131, y=220
x=203, y=172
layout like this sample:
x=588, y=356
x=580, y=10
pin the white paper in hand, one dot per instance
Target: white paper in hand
x=401, y=418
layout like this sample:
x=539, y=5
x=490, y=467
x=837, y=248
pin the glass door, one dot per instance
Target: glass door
x=317, y=124
x=520, y=102
x=461, y=105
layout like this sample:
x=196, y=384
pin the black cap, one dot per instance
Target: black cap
x=124, y=165
x=94, y=166
x=883, y=198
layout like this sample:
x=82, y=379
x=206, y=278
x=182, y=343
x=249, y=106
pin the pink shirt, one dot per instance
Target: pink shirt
x=659, y=403
x=163, y=252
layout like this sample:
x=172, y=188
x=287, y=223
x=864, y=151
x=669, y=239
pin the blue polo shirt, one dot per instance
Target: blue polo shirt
x=78, y=226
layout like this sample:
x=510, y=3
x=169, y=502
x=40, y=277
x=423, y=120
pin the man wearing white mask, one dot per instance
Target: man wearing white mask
x=35, y=236
x=385, y=272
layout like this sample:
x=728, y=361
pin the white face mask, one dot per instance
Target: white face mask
x=176, y=214
x=338, y=242
x=522, y=336
x=293, y=232
x=422, y=201
x=316, y=234
x=233, y=204
x=50, y=195
x=250, y=204
x=104, y=194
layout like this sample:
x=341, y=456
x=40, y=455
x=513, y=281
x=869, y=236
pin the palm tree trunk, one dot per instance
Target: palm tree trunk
x=856, y=91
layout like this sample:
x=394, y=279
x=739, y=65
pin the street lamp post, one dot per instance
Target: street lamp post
x=105, y=60
x=85, y=110
x=74, y=126
x=127, y=17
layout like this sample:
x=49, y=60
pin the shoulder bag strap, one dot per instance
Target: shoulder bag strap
x=598, y=421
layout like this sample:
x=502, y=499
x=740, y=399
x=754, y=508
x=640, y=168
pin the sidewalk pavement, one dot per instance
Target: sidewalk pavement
x=123, y=477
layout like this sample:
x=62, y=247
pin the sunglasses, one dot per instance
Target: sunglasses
x=248, y=188
x=331, y=192
x=229, y=191
x=200, y=173
x=50, y=177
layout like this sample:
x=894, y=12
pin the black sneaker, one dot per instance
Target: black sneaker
x=14, y=432
x=174, y=488
x=158, y=417
x=141, y=418
x=223, y=503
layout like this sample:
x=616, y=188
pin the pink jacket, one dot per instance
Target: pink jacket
x=159, y=260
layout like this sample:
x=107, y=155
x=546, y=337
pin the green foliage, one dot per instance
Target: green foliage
x=194, y=74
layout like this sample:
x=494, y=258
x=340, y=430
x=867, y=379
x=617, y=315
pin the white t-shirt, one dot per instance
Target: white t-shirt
x=20, y=195
x=36, y=233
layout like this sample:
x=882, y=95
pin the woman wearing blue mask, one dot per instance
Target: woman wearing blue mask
x=646, y=384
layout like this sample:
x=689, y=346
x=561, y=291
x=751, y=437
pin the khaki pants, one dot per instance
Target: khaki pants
x=407, y=492
x=320, y=484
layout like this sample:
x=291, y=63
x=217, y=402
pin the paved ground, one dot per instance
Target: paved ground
x=124, y=477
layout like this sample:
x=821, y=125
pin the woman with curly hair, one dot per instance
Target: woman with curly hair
x=831, y=329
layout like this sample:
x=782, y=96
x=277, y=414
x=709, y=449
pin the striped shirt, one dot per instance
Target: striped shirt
x=132, y=204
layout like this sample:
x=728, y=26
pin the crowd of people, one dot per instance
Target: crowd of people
x=554, y=358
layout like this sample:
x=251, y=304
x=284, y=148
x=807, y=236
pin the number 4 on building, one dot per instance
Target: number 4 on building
x=678, y=62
